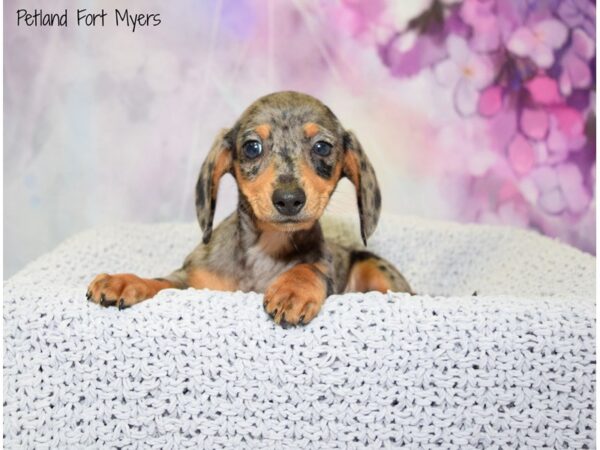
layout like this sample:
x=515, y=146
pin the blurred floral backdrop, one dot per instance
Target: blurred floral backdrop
x=472, y=110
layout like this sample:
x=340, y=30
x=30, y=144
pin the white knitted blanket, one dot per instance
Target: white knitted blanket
x=513, y=367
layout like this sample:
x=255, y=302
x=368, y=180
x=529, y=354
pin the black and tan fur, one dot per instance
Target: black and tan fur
x=257, y=248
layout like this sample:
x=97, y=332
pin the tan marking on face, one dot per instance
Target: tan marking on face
x=311, y=129
x=222, y=165
x=259, y=190
x=264, y=131
x=201, y=278
x=365, y=276
x=317, y=189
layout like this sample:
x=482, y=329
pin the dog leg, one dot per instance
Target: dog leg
x=296, y=296
x=203, y=278
x=369, y=272
x=125, y=289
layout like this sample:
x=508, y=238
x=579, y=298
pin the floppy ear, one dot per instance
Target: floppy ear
x=217, y=163
x=360, y=171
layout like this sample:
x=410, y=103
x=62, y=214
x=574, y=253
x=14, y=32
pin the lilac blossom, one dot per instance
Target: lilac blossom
x=521, y=78
x=538, y=41
x=466, y=72
x=576, y=72
x=579, y=14
x=480, y=15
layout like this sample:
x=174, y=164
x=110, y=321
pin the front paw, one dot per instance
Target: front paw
x=121, y=290
x=295, y=298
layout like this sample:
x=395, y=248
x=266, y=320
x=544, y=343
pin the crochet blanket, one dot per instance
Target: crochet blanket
x=496, y=350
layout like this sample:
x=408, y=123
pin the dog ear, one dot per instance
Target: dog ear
x=217, y=163
x=359, y=170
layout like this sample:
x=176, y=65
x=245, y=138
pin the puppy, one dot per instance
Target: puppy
x=287, y=153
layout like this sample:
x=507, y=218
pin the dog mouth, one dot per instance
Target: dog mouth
x=289, y=224
x=290, y=221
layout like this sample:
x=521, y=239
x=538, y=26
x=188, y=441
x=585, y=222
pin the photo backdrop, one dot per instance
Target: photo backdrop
x=474, y=110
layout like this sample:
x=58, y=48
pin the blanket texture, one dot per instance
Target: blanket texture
x=512, y=366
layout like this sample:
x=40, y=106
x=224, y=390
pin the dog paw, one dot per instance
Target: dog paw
x=295, y=297
x=121, y=290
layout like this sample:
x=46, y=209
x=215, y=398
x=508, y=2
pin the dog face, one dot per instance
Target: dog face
x=287, y=153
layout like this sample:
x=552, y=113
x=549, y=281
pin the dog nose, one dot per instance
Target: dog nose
x=289, y=202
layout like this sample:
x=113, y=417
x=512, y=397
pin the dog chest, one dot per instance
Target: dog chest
x=261, y=269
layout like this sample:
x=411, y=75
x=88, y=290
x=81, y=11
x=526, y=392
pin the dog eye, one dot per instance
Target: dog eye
x=322, y=148
x=252, y=149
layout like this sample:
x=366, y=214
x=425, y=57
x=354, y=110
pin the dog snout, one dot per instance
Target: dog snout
x=289, y=201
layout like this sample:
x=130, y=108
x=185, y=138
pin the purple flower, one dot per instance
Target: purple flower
x=521, y=77
x=576, y=72
x=408, y=53
x=534, y=123
x=579, y=13
x=558, y=189
x=419, y=41
x=521, y=154
x=538, y=41
x=544, y=90
x=480, y=15
x=548, y=194
x=466, y=72
x=566, y=131
x=557, y=129
x=490, y=101
x=577, y=198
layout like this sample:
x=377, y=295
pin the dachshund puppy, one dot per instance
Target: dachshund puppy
x=287, y=153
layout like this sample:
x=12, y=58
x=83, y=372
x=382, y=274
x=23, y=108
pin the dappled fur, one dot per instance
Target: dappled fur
x=258, y=248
